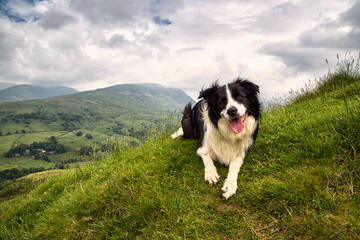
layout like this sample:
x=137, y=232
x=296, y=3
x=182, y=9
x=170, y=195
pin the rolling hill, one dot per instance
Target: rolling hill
x=300, y=181
x=127, y=111
x=125, y=103
x=27, y=92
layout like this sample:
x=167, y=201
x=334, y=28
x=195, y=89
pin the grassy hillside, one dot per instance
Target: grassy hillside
x=26, y=92
x=100, y=109
x=127, y=111
x=300, y=181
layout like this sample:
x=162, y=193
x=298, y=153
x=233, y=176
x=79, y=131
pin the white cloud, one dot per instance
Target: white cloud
x=92, y=44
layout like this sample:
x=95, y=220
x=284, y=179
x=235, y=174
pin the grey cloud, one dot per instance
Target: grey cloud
x=299, y=58
x=190, y=49
x=310, y=49
x=108, y=11
x=330, y=38
x=117, y=40
x=166, y=7
x=56, y=20
x=352, y=15
x=143, y=45
x=330, y=34
x=277, y=19
x=200, y=29
x=87, y=71
x=8, y=44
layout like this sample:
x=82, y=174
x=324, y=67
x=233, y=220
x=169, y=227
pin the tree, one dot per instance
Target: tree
x=88, y=136
x=59, y=166
x=60, y=148
x=85, y=150
x=33, y=152
x=53, y=140
x=79, y=133
x=45, y=158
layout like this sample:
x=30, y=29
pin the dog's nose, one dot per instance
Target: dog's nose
x=232, y=111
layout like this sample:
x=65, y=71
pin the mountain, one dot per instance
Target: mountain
x=127, y=111
x=126, y=104
x=301, y=180
x=4, y=85
x=26, y=92
x=150, y=94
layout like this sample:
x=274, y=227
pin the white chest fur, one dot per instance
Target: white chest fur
x=222, y=143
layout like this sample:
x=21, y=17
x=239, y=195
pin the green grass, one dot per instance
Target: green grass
x=38, y=137
x=69, y=139
x=22, y=162
x=94, y=112
x=7, y=141
x=300, y=181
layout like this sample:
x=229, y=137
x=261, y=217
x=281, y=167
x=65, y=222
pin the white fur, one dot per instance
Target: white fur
x=232, y=103
x=178, y=133
x=227, y=147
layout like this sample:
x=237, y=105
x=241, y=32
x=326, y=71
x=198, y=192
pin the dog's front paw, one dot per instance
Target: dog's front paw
x=211, y=176
x=228, y=189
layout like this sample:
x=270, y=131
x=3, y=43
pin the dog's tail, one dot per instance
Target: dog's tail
x=185, y=129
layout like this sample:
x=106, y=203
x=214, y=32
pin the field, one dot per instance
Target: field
x=69, y=139
x=300, y=181
x=119, y=113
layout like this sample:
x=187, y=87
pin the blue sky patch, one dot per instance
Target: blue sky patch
x=161, y=21
x=7, y=10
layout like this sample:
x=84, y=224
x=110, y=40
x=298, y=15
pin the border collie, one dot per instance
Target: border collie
x=225, y=124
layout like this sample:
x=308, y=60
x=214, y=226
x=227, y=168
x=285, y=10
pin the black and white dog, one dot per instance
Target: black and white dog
x=225, y=125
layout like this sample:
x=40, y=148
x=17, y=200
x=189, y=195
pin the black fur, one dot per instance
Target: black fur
x=241, y=90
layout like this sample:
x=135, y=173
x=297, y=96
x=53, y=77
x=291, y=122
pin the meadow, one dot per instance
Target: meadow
x=301, y=180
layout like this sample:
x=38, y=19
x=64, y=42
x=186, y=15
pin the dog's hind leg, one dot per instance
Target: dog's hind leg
x=178, y=133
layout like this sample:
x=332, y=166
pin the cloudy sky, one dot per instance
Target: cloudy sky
x=89, y=44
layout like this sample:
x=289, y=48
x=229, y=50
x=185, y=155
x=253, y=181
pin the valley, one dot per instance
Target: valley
x=92, y=119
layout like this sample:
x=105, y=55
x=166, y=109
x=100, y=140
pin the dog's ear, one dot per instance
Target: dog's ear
x=209, y=92
x=247, y=85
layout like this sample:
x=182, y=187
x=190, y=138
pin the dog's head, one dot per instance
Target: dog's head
x=233, y=102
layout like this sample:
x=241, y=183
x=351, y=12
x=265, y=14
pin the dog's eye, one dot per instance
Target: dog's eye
x=239, y=96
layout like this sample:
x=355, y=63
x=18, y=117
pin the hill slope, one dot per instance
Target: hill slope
x=127, y=111
x=120, y=103
x=4, y=85
x=28, y=92
x=300, y=181
x=149, y=95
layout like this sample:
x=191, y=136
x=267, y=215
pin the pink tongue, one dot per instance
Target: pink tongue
x=238, y=124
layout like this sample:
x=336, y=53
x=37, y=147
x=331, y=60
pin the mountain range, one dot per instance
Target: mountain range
x=127, y=112
x=126, y=103
x=13, y=93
